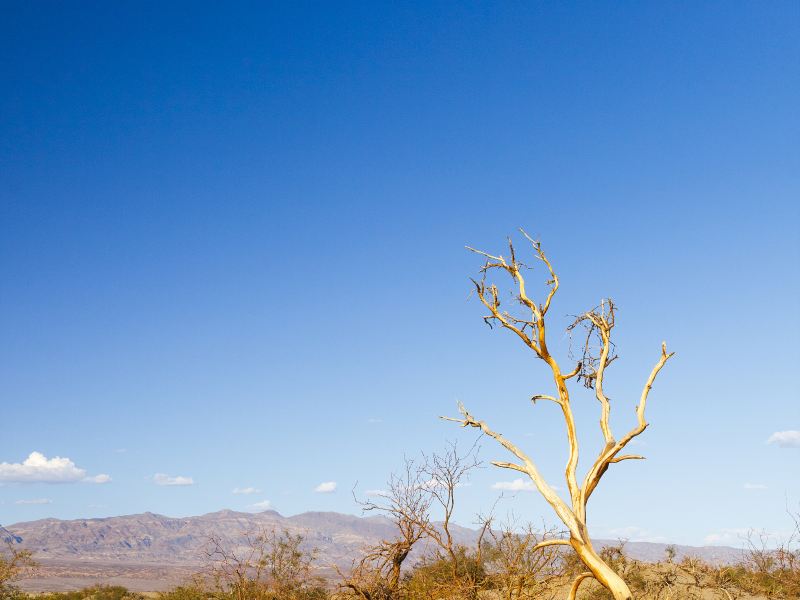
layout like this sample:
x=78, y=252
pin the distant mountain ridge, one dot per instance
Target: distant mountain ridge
x=141, y=542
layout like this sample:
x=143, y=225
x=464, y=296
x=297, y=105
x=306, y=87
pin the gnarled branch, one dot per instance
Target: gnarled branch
x=573, y=591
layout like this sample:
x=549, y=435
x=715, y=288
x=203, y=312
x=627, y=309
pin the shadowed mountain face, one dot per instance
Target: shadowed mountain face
x=133, y=546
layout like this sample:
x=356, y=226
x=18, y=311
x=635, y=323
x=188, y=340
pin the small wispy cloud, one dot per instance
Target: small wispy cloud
x=633, y=533
x=740, y=536
x=263, y=505
x=374, y=420
x=37, y=468
x=726, y=536
x=246, y=491
x=518, y=485
x=326, y=487
x=178, y=480
x=785, y=439
x=35, y=501
x=754, y=486
x=376, y=493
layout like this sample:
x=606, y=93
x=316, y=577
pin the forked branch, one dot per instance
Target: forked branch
x=609, y=454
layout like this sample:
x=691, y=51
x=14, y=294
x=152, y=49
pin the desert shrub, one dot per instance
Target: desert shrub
x=95, y=592
x=273, y=566
x=516, y=568
x=246, y=590
x=771, y=572
x=440, y=576
x=691, y=579
x=194, y=591
x=13, y=564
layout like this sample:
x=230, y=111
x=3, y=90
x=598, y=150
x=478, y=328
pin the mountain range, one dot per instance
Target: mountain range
x=151, y=552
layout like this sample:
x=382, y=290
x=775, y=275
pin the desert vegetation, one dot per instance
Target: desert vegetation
x=14, y=564
x=518, y=561
x=508, y=563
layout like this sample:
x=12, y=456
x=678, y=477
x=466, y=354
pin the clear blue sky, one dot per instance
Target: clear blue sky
x=231, y=248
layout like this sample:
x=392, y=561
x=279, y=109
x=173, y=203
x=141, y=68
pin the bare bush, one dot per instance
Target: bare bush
x=14, y=563
x=518, y=566
x=269, y=566
x=772, y=571
x=406, y=502
x=410, y=499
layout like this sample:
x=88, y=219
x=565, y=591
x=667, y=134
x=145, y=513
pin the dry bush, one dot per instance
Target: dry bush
x=518, y=566
x=447, y=569
x=773, y=572
x=764, y=572
x=14, y=563
x=438, y=576
x=459, y=568
x=698, y=576
x=406, y=502
x=271, y=566
x=94, y=592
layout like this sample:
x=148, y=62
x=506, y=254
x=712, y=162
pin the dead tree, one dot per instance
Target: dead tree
x=528, y=324
x=406, y=502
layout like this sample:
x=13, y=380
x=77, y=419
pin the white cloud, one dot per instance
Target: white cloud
x=102, y=478
x=632, y=533
x=263, y=505
x=518, y=485
x=754, y=486
x=740, y=536
x=431, y=484
x=163, y=479
x=245, y=491
x=785, y=439
x=727, y=536
x=326, y=487
x=434, y=483
x=37, y=468
x=35, y=501
x=376, y=493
